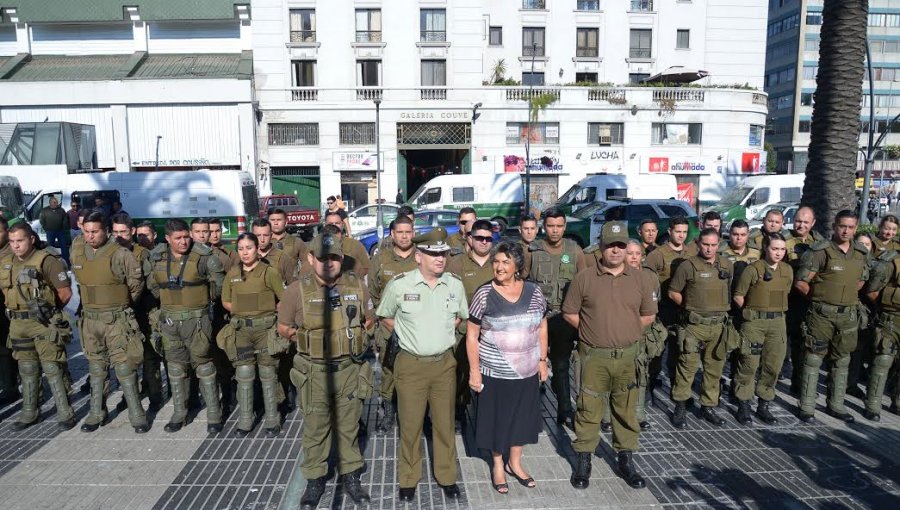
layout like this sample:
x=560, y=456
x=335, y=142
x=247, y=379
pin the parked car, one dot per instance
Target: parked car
x=584, y=225
x=300, y=219
x=426, y=221
x=365, y=217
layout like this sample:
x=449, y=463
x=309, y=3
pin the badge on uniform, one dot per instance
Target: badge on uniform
x=410, y=297
x=62, y=276
x=564, y=259
x=705, y=275
x=837, y=268
x=350, y=297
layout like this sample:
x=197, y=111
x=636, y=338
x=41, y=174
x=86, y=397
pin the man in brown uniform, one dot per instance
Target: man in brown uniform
x=200, y=230
x=457, y=241
x=284, y=263
x=292, y=245
x=528, y=228
x=226, y=258
x=648, y=230
x=9, y=387
x=798, y=242
x=610, y=305
x=355, y=257
x=773, y=222
x=224, y=368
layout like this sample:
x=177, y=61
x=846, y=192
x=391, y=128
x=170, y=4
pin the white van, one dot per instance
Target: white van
x=603, y=186
x=158, y=196
x=498, y=197
x=754, y=193
x=11, y=198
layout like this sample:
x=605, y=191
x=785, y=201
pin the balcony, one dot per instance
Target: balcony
x=534, y=4
x=588, y=5
x=612, y=96
x=679, y=95
x=433, y=36
x=303, y=36
x=304, y=94
x=641, y=6
x=640, y=53
x=368, y=93
x=433, y=93
x=528, y=51
x=527, y=94
x=368, y=36
x=587, y=52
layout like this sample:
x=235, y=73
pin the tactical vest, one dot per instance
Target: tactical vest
x=554, y=273
x=97, y=285
x=21, y=281
x=473, y=275
x=772, y=295
x=837, y=283
x=250, y=292
x=890, y=297
x=671, y=259
x=796, y=247
x=879, y=246
x=346, y=337
x=140, y=253
x=707, y=292
x=183, y=287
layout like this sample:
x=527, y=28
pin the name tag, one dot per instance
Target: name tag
x=411, y=297
x=350, y=297
x=837, y=268
x=236, y=280
x=705, y=275
x=77, y=267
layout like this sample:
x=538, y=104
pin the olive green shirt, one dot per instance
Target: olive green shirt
x=424, y=318
x=686, y=275
x=473, y=275
x=236, y=277
x=749, y=255
x=386, y=265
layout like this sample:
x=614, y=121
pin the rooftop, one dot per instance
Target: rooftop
x=136, y=66
x=55, y=11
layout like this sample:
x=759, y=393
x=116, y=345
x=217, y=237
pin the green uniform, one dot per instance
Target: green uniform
x=332, y=379
x=554, y=272
x=293, y=246
x=756, y=238
x=109, y=280
x=798, y=304
x=281, y=261
x=152, y=377
x=425, y=320
x=9, y=385
x=185, y=286
x=705, y=288
x=879, y=246
x=38, y=331
x=386, y=265
x=473, y=275
x=885, y=278
x=832, y=322
x=457, y=243
x=763, y=329
x=663, y=260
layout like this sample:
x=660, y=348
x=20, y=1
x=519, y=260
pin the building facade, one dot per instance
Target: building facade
x=166, y=84
x=450, y=81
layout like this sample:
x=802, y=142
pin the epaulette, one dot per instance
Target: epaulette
x=202, y=249
x=53, y=250
x=860, y=248
x=453, y=275
x=592, y=248
x=819, y=245
x=399, y=276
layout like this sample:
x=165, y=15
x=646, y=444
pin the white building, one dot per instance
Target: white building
x=319, y=65
x=150, y=75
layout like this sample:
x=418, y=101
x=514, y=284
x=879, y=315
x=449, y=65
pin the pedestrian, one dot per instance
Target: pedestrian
x=251, y=293
x=701, y=287
x=506, y=344
x=340, y=202
x=398, y=258
x=609, y=305
x=335, y=207
x=762, y=296
x=326, y=314
x=101, y=205
x=185, y=275
x=116, y=208
x=38, y=328
x=886, y=239
x=55, y=222
x=72, y=214
x=109, y=280
x=553, y=266
x=423, y=308
x=399, y=198
x=831, y=273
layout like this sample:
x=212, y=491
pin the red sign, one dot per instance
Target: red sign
x=750, y=163
x=659, y=165
x=686, y=192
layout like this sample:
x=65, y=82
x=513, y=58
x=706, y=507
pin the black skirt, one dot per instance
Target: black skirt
x=507, y=413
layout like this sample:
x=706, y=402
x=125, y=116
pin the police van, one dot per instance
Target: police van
x=230, y=195
x=11, y=199
x=601, y=187
x=498, y=197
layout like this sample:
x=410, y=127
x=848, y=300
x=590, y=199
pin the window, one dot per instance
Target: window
x=533, y=4
x=804, y=126
x=756, y=135
x=434, y=73
x=588, y=5
x=433, y=25
x=464, y=194
x=357, y=133
x=303, y=25
x=760, y=196
x=294, y=134
x=586, y=77
x=495, y=36
x=641, y=39
x=884, y=20
x=303, y=73
x=605, y=133
x=369, y=73
x=431, y=196
x=674, y=210
x=636, y=78
x=784, y=24
x=533, y=41
x=537, y=132
x=683, y=39
x=368, y=25
x=814, y=18
x=812, y=45
x=586, y=42
x=810, y=72
x=676, y=134
x=641, y=5
x=791, y=194
x=636, y=213
x=536, y=79
x=806, y=99
x=883, y=74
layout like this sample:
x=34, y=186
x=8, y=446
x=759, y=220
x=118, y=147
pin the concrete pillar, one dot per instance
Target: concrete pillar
x=120, y=137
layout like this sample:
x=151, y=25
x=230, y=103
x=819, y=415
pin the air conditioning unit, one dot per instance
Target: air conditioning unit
x=605, y=140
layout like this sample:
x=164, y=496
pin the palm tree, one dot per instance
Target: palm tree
x=834, y=133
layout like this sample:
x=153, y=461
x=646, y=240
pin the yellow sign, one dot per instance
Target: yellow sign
x=859, y=183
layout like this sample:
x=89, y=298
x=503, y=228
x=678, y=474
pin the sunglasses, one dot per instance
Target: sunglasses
x=463, y=222
x=483, y=239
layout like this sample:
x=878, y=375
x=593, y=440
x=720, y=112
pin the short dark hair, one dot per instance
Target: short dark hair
x=646, y=221
x=711, y=215
x=846, y=213
x=147, y=224
x=22, y=226
x=85, y=213
x=248, y=235
x=405, y=210
x=514, y=251
x=275, y=210
x=330, y=198
x=260, y=222
x=772, y=236
x=553, y=212
x=738, y=224
x=402, y=220
x=176, y=225
x=774, y=210
x=678, y=220
x=527, y=217
x=708, y=232
x=467, y=210
x=482, y=225
x=97, y=217
x=215, y=221
x=888, y=218
x=333, y=230
x=123, y=219
x=199, y=221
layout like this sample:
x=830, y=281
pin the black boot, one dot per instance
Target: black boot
x=386, y=423
x=679, y=415
x=313, y=493
x=743, y=413
x=628, y=473
x=353, y=488
x=581, y=475
x=709, y=414
x=764, y=414
x=565, y=418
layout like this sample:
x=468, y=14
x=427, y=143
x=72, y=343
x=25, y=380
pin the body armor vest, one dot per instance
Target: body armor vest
x=21, y=281
x=554, y=273
x=796, y=247
x=836, y=284
x=250, y=292
x=345, y=317
x=708, y=292
x=671, y=260
x=183, y=283
x=890, y=297
x=97, y=284
x=772, y=295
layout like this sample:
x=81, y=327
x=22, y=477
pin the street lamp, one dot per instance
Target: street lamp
x=379, y=217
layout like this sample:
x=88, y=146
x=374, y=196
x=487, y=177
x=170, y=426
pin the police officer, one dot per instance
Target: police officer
x=887, y=235
x=398, y=258
x=36, y=288
x=772, y=222
x=200, y=230
x=185, y=275
x=292, y=245
x=528, y=230
x=146, y=234
x=224, y=369
x=883, y=289
x=610, y=306
x=553, y=266
x=404, y=210
x=736, y=250
x=226, y=258
x=457, y=241
x=701, y=286
x=762, y=294
x=123, y=229
x=109, y=280
x=284, y=263
x=831, y=273
x=355, y=257
x=798, y=242
x=250, y=293
x=424, y=306
x=326, y=313
x=9, y=384
x=647, y=231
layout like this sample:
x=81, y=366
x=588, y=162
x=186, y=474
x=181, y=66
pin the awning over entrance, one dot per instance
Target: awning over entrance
x=435, y=135
x=677, y=74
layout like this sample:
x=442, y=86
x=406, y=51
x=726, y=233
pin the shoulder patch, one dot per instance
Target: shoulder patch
x=819, y=245
x=592, y=248
x=201, y=249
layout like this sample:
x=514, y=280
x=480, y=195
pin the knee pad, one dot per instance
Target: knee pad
x=883, y=361
x=812, y=361
x=206, y=370
x=267, y=373
x=124, y=370
x=97, y=369
x=50, y=368
x=841, y=362
x=29, y=368
x=177, y=370
x=245, y=373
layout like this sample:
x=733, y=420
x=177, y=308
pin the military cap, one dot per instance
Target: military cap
x=434, y=240
x=614, y=232
x=324, y=245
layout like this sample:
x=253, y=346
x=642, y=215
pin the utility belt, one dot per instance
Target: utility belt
x=107, y=317
x=826, y=309
x=22, y=344
x=327, y=366
x=705, y=319
x=754, y=314
x=22, y=316
x=337, y=345
x=258, y=322
x=611, y=352
x=168, y=316
x=553, y=312
x=431, y=358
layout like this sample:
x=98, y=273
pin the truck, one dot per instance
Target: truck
x=496, y=197
x=603, y=186
x=747, y=198
x=11, y=198
x=300, y=219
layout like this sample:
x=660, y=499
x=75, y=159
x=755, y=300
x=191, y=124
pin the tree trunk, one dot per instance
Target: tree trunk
x=834, y=134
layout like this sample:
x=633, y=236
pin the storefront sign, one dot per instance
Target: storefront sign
x=544, y=161
x=356, y=161
x=686, y=192
x=455, y=116
x=678, y=166
x=746, y=162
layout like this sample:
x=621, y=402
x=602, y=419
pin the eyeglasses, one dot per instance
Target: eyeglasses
x=331, y=202
x=463, y=222
x=483, y=239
